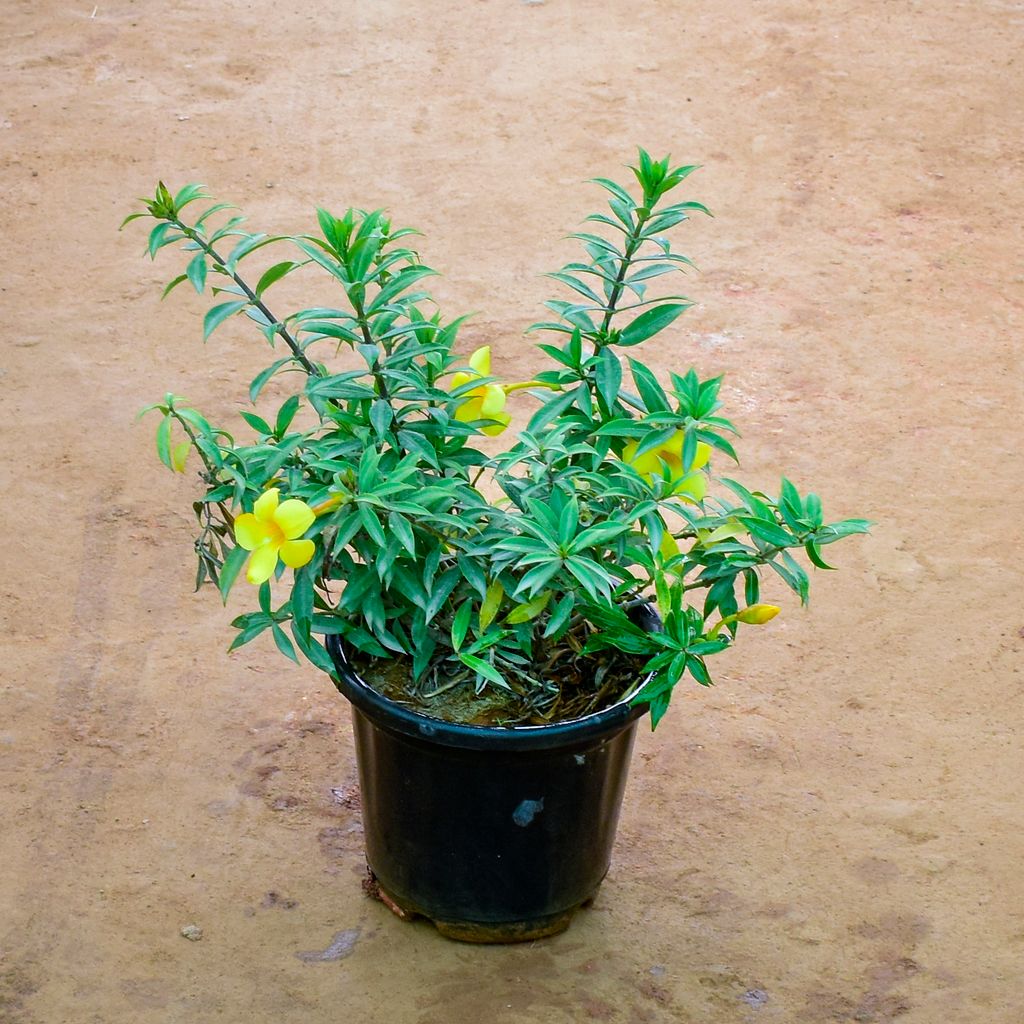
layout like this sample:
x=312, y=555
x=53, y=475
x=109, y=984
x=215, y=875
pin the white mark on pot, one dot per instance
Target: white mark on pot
x=341, y=946
x=527, y=811
x=580, y=758
x=426, y=729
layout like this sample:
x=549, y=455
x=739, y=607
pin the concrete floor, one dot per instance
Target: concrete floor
x=833, y=832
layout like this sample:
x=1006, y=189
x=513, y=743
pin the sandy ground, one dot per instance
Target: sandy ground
x=831, y=834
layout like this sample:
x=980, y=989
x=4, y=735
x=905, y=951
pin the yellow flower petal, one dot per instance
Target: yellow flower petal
x=296, y=553
x=293, y=518
x=674, y=445
x=468, y=411
x=266, y=505
x=250, y=533
x=493, y=401
x=262, y=564
x=480, y=360
x=461, y=378
x=692, y=487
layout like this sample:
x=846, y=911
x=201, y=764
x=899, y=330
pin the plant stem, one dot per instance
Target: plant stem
x=632, y=246
x=289, y=340
x=195, y=441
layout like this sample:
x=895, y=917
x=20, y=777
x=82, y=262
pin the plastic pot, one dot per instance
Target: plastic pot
x=494, y=834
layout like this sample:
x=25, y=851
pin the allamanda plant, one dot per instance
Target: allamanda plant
x=379, y=519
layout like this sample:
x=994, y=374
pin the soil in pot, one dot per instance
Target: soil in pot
x=561, y=684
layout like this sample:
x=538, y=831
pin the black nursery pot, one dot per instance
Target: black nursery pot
x=494, y=834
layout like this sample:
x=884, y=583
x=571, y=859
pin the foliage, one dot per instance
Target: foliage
x=476, y=567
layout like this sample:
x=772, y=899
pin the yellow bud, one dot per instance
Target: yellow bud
x=758, y=614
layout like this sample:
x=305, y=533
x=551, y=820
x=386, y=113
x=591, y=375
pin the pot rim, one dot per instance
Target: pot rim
x=391, y=715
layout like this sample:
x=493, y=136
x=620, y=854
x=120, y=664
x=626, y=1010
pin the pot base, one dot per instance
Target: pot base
x=476, y=931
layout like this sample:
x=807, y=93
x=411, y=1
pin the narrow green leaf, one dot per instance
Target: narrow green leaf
x=163, y=442
x=649, y=323
x=230, y=570
x=285, y=416
x=403, y=531
x=483, y=668
x=608, y=377
x=284, y=645
x=218, y=314
x=460, y=624
x=274, y=273
x=814, y=554
x=196, y=271
x=491, y=604
x=559, y=618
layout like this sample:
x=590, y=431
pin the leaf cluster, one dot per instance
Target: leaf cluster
x=478, y=569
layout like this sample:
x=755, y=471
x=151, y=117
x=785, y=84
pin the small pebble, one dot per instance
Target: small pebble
x=755, y=997
x=192, y=932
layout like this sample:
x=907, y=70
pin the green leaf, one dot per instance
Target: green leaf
x=381, y=416
x=163, y=442
x=218, y=314
x=485, y=669
x=649, y=323
x=460, y=624
x=284, y=645
x=259, y=382
x=371, y=524
x=814, y=554
x=601, y=533
x=158, y=238
x=173, y=284
x=441, y=591
x=768, y=531
x=258, y=423
x=285, y=416
x=559, y=618
x=551, y=409
x=230, y=570
x=274, y=273
x=302, y=602
x=650, y=390
x=196, y=271
x=529, y=610
x=616, y=190
x=403, y=531
x=491, y=604
x=608, y=377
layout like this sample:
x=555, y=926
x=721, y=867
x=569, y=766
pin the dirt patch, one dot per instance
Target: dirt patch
x=832, y=832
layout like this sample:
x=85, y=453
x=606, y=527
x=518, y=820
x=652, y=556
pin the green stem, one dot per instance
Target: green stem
x=289, y=340
x=634, y=243
x=195, y=442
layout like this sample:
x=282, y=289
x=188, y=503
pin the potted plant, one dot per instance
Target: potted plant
x=499, y=619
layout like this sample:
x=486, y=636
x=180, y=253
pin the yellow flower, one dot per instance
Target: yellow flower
x=688, y=482
x=271, y=531
x=486, y=402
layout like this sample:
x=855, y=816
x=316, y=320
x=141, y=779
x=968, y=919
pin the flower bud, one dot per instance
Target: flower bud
x=757, y=614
